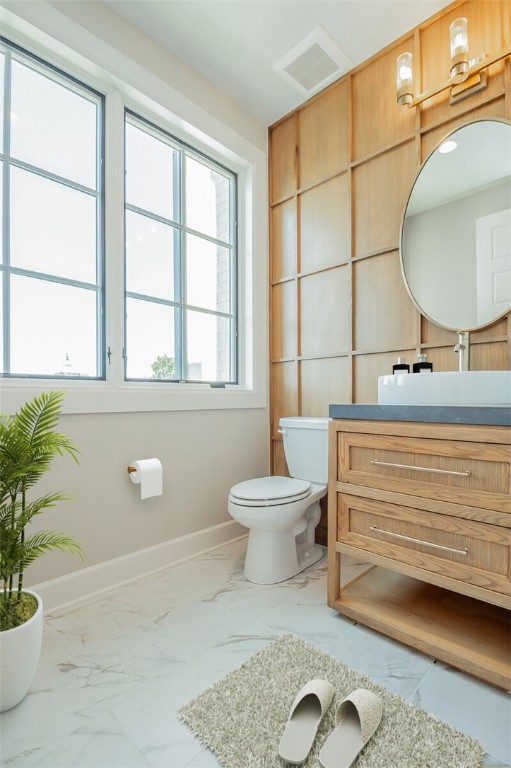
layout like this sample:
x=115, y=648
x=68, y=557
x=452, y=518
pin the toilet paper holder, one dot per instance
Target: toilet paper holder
x=147, y=473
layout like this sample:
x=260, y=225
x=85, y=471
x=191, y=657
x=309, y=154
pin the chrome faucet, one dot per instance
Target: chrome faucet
x=462, y=349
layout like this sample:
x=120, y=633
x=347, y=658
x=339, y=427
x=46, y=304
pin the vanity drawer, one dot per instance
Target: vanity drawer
x=465, y=550
x=476, y=474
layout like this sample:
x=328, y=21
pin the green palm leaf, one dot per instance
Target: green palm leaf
x=39, y=415
x=42, y=542
x=39, y=505
x=36, y=422
x=28, y=444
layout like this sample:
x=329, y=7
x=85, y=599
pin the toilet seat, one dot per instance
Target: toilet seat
x=269, y=491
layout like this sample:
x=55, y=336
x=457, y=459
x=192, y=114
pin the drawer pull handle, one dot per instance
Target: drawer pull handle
x=466, y=473
x=463, y=552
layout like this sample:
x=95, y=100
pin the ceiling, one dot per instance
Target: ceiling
x=235, y=43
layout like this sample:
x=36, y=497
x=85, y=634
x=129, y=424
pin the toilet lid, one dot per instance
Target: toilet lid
x=271, y=489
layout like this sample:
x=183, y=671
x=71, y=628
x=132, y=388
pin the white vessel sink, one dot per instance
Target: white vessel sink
x=446, y=388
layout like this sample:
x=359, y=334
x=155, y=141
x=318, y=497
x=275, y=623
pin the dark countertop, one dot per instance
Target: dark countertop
x=444, y=414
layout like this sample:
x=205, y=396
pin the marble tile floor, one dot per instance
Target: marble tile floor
x=115, y=669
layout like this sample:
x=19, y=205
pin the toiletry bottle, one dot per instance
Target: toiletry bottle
x=401, y=366
x=422, y=365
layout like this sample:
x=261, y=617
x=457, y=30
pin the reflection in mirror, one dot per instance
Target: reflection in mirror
x=456, y=231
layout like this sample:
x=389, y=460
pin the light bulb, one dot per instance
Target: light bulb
x=405, y=78
x=459, y=50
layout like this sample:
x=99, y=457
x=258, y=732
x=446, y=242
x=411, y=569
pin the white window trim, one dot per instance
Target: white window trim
x=115, y=394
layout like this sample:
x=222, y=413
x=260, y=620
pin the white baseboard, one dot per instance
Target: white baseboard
x=86, y=583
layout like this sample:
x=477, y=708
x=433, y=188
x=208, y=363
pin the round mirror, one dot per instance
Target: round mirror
x=456, y=232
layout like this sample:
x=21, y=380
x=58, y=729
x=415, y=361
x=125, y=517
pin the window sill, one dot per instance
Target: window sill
x=105, y=397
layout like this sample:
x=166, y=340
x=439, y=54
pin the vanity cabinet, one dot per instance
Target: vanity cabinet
x=428, y=505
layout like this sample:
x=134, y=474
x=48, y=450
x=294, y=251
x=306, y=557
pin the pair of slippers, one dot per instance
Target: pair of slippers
x=356, y=720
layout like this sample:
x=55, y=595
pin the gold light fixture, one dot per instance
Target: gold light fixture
x=466, y=76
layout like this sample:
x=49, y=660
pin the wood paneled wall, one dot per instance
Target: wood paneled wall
x=341, y=168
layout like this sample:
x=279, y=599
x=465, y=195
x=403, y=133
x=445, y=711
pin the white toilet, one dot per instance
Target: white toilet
x=282, y=512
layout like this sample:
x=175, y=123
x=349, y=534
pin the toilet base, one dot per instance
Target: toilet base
x=261, y=567
x=311, y=556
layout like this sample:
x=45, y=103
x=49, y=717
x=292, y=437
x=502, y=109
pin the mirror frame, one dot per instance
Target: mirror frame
x=462, y=329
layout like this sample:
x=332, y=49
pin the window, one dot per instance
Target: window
x=180, y=263
x=51, y=268
x=130, y=270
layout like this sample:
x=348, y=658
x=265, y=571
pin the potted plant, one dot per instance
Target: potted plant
x=28, y=445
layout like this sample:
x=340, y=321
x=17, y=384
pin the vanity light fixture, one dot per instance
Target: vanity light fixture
x=466, y=75
x=405, y=78
x=459, y=50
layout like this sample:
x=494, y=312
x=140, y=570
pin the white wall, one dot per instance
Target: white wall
x=99, y=37
x=204, y=452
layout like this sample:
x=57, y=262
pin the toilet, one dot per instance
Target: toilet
x=282, y=512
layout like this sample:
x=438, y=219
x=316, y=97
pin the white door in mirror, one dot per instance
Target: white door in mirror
x=493, y=263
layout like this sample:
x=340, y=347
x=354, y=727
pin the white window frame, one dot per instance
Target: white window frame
x=184, y=150
x=13, y=54
x=114, y=394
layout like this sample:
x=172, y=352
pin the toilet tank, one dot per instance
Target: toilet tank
x=306, y=447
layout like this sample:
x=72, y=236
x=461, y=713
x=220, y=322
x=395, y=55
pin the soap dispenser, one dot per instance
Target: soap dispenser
x=422, y=365
x=401, y=366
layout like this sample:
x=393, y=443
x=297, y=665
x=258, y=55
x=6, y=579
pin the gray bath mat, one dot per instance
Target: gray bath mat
x=241, y=717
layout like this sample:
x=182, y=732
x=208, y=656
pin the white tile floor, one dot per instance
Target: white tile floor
x=115, y=669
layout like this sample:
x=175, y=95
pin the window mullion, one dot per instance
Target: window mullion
x=100, y=246
x=180, y=324
x=233, y=286
x=113, y=217
x=6, y=283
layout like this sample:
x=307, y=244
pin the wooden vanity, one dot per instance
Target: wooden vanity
x=424, y=495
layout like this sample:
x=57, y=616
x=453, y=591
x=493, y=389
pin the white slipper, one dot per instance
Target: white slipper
x=309, y=707
x=357, y=718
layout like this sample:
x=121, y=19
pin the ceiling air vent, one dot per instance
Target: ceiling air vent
x=313, y=63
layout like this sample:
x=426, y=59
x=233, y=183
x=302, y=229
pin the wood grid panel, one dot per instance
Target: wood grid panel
x=324, y=381
x=279, y=459
x=324, y=313
x=283, y=235
x=374, y=91
x=285, y=393
x=499, y=328
x=284, y=320
x=489, y=356
x=323, y=135
x=378, y=322
x=283, y=151
x=434, y=334
x=341, y=168
x=325, y=226
x=380, y=190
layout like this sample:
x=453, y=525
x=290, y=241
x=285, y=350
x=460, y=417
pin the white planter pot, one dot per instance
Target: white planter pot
x=19, y=656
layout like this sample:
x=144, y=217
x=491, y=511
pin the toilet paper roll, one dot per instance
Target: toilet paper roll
x=147, y=474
